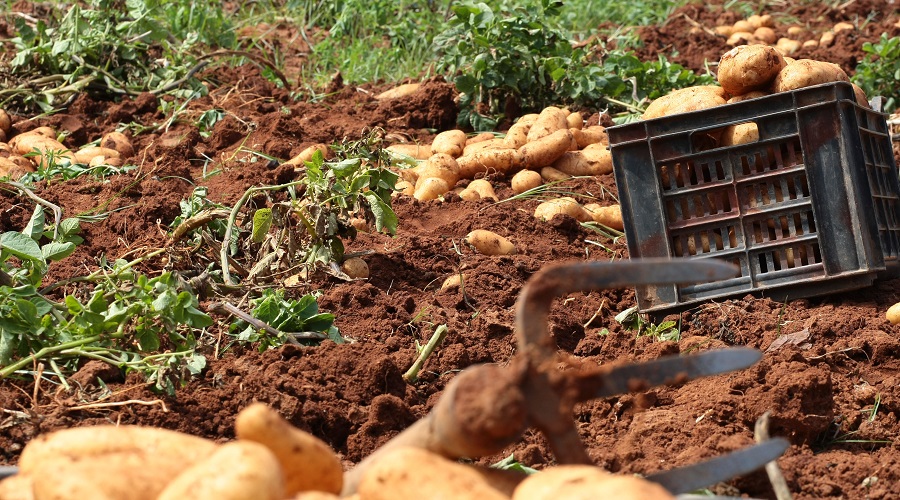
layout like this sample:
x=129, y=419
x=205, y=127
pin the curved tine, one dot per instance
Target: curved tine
x=536, y=297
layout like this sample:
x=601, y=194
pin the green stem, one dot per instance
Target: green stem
x=437, y=337
x=18, y=365
x=100, y=273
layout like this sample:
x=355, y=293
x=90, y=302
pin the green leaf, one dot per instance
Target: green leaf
x=262, y=221
x=57, y=251
x=385, y=218
x=70, y=226
x=35, y=227
x=195, y=363
x=21, y=246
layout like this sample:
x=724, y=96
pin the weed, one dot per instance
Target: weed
x=287, y=316
x=879, y=71
x=631, y=319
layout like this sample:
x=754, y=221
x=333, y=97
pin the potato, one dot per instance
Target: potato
x=399, y=91
x=842, y=26
x=439, y=165
x=826, y=39
x=449, y=142
x=314, y=495
x=483, y=145
x=430, y=188
x=740, y=38
x=5, y=121
x=525, y=180
x=87, y=153
x=748, y=67
x=786, y=46
x=46, y=148
x=724, y=31
x=610, y=216
x=893, y=314
x=453, y=281
x=239, y=470
x=684, y=100
x=550, y=174
x=14, y=170
x=593, y=161
x=550, y=120
x=545, y=484
x=753, y=94
x=300, y=159
x=105, y=160
x=590, y=135
x=417, y=151
x=565, y=206
x=795, y=32
x=741, y=133
x=2, y=137
x=498, y=160
x=484, y=136
x=406, y=473
x=405, y=187
x=124, y=475
x=479, y=189
x=546, y=150
x=807, y=72
x=18, y=487
x=490, y=243
x=765, y=34
x=743, y=25
x=517, y=135
x=575, y=121
x=356, y=268
x=809, y=44
x=44, y=131
x=861, y=98
x=585, y=484
x=120, y=142
x=308, y=463
x=168, y=450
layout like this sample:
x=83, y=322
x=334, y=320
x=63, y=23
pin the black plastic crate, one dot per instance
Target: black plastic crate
x=812, y=207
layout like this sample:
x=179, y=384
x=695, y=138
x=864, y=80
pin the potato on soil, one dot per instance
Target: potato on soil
x=826, y=39
x=5, y=121
x=430, y=188
x=483, y=145
x=765, y=34
x=14, y=170
x=484, y=136
x=749, y=67
x=490, y=243
x=525, y=180
x=105, y=160
x=300, y=159
x=236, y=471
x=416, y=473
x=575, y=482
x=517, y=135
x=546, y=150
x=546, y=483
x=565, y=206
x=807, y=72
x=88, y=153
x=404, y=187
x=741, y=133
x=120, y=142
x=453, y=281
x=126, y=475
x=575, y=120
x=399, y=91
x=417, y=151
x=47, y=148
x=724, y=30
x=841, y=26
x=441, y=166
x=449, y=142
x=550, y=120
x=550, y=174
x=479, y=189
x=893, y=314
x=595, y=134
x=685, y=100
x=593, y=161
x=495, y=160
x=308, y=463
x=610, y=216
x=356, y=268
x=787, y=46
x=739, y=38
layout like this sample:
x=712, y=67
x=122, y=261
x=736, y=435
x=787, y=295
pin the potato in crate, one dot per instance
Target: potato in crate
x=809, y=206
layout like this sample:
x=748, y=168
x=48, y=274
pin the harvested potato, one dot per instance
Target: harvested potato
x=237, y=471
x=484, y=136
x=861, y=97
x=44, y=131
x=417, y=151
x=47, y=149
x=517, y=135
x=449, y=142
x=740, y=38
x=826, y=39
x=595, y=134
x=787, y=46
x=761, y=21
x=120, y=142
x=14, y=170
x=550, y=174
x=453, y=281
x=743, y=25
x=546, y=483
x=105, y=160
x=684, y=100
x=550, y=120
x=497, y=160
x=546, y=150
x=88, y=153
x=416, y=473
x=525, y=180
x=748, y=67
x=2, y=137
x=765, y=34
x=810, y=44
x=806, y=72
x=483, y=145
x=741, y=133
x=724, y=31
x=405, y=187
x=399, y=91
x=490, y=243
x=842, y=26
x=610, y=216
x=753, y=94
x=308, y=463
x=893, y=314
x=796, y=32
x=479, y=189
x=575, y=121
x=5, y=121
x=430, y=188
x=314, y=495
x=124, y=475
x=564, y=206
x=17, y=487
x=584, y=484
x=356, y=268
x=299, y=161
x=441, y=166
x=591, y=161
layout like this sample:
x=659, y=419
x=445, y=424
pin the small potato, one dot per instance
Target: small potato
x=308, y=463
x=120, y=142
x=44, y=131
x=748, y=67
x=47, y=149
x=237, y=471
x=755, y=21
x=810, y=44
x=299, y=161
x=86, y=154
x=399, y=91
x=564, y=206
x=724, y=31
x=766, y=21
x=497, y=160
x=741, y=133
x=14, y=171
x=550, y=120
x=431, y=188
x=893, y=314
x=739, y=38
x=449, y=142
x=546, y=150
x=590, y=135
x=405, y=187
x=453, y=281
x=550, y=174
x=861, y=97
x=479, y=189
x=842, y=26
x=525, y=180
x=753, y=94
x=593, y=161
x=105, y=160
x=807, y=72
x=545, y=484
x=517, y=135
x=744, y=25
x=826, y=39
x=575, y=121
x=786, y=46
x=441, y=166
x=2, y=137
x=795, y=32
x=5, y=121
x=489, y=243
x=685, y=100
x=356, y=268
x=765, y=34
x=417, y=151
x=610, y=216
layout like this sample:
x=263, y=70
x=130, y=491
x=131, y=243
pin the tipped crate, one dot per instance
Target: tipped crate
x=811, y=207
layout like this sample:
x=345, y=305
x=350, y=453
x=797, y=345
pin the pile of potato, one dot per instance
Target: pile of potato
x=42, y=147
x=272, y=460
x=761, y=29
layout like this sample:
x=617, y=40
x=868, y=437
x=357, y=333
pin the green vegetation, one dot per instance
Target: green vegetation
x=631, y=319
x=879, y=72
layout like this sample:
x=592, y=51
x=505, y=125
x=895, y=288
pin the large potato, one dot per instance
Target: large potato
x=749, y=67
x=546, y=150
x=562, y=206
x=685, y=100
x=548, y=121
x=112, y=476
x=490, y=243
x=449, y=142
x=586, y=482
x=807, y=72
x=589, y=161
x=441, y=166
x=497, y=160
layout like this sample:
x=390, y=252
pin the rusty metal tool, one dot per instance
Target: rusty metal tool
x=488, y=407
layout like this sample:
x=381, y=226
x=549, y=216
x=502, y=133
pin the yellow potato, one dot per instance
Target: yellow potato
x=453, y=281
x=356, y=268
x=741, y=133
x=893, y=314
x=299, y=161
x=525, y=180
x=417, y=151
x=239, y=470
x=753, y=94
x=45, y=147
x=807, y=72
x=483, y=145
x=105, y=160
x=748, y=67
x=787, y=46
x=575, y=121
x=610, y=216
x=810, y=44
x=441, y=166
x=861, y=98
x=484, y=136
x=740, y=38
x=479, y=189
x=88, y=153
x=399, y=91
x=5, y=121
x=405, y=187
x=724, y=31
x=743, y=25
x=449, y=142
x=550, y=120
x=517, y=135
x=18, y=487
x=120, y=142
x=430, y=188
x=592, y=161
x=14, y=170
x=565, y=206
x=550, y=174
x=842, y=26
x=490, y=243
x=826, y=39
x=308, y=463
x=595, y=134
x=128, y=475
x=545, y=484
x=584, y=484
x=765, y=34
x=546, y=150
x=496, y=160
x=795, y=32
x=685, y=100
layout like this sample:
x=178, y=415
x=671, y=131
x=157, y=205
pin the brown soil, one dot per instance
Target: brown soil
x=834, y=393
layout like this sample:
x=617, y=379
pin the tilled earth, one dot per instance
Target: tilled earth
x=834, y=392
